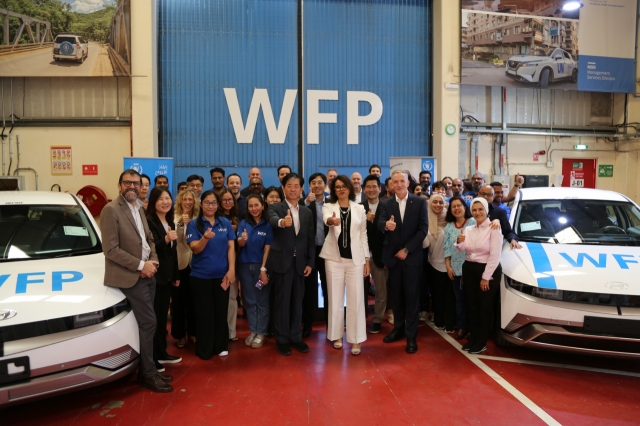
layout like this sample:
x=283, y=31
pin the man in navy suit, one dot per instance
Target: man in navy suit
x=403, y=219
x=291, y=259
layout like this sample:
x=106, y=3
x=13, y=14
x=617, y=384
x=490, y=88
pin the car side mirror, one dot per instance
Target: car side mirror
x=558, y=57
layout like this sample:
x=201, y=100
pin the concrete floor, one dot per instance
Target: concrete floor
x=384, y=386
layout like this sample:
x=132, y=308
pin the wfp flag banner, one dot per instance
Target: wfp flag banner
x=607, y=46
x=152, y=167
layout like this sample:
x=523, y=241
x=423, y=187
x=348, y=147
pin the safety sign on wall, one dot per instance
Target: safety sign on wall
x=61, y=161
x=605, y=170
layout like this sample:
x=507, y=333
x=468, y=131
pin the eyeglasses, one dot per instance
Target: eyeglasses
x=256, y=184
x=339, y=188
x=457, y=184
x=485, y=194
x=209, y=203
x=195, y=185
x=228, y=200
x=127, y=183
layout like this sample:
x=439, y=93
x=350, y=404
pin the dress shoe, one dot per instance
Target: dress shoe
x=412, y=346
x=156, y=384
x=283, y=349
x=300, y=346
x=168, y=359
x=394, y=336
x=306, y=331
x=375, y=328
x=462, y=333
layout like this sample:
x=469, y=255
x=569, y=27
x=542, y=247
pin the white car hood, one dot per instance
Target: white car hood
x=575, y=267
x=53, y=288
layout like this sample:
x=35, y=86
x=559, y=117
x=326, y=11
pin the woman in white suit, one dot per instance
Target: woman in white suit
x=346, y=254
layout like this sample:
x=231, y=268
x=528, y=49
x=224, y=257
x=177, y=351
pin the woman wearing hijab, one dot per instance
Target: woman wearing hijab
x=481, y=272
x=443, y=297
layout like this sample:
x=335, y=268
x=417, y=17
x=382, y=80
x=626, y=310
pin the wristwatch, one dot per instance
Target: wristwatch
x=263, y=269
x=406, y=250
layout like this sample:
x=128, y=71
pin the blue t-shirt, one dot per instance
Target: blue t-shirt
x=212, y=262
x=260, y=235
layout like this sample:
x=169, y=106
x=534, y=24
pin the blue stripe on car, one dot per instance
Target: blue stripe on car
x=541, y=265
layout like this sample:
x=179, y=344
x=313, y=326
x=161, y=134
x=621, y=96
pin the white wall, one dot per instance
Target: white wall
x=96, y=145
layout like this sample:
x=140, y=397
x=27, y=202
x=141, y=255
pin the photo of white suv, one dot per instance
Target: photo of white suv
x=61, y=329
x=542, y=67
x=70, y=46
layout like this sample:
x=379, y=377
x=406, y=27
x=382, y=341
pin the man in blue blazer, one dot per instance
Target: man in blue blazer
x=403, y=219
x=291, y=259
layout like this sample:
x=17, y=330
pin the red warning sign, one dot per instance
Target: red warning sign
x=89, y=169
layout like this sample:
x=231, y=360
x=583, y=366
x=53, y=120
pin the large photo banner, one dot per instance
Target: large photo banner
x=152, y=167
x=608, y=36
x=546, y=44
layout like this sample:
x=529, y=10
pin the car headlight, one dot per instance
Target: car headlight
x=527, y=64
x=543, y=293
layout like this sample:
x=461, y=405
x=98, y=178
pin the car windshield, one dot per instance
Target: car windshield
x=61, y=39
x=572, y=221
x=541, y=52
x=45, y=232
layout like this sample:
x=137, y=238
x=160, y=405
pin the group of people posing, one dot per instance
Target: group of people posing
x=431, y=251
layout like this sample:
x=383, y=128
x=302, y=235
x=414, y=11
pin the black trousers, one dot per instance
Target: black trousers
x=287, y=305
x=182, y=309
x=310, y=299
x=141, y=297
x=425, y=286
x=212, y=304
x=480, y=302
x=443, y=299
x=161, y=307
x=406, y=294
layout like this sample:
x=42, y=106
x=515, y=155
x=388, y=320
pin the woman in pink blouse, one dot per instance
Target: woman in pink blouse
x=481, y=273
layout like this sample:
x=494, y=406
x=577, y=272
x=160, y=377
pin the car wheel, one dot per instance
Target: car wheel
x=56, y=59
x=574, y=76
x=498, y=339
x=544, y=78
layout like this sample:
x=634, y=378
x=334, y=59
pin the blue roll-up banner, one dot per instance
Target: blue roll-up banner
x=152, y=167
x=607, y=46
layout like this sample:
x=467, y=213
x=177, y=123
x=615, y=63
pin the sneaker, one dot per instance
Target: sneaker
x=170, y=360
x=257, y=342
x=375, y=328
x=439, y=327
x=424, y=316
x=223, y=353
x=249, y=339
x=477, y=350
x=467, y=346
x=159, y=367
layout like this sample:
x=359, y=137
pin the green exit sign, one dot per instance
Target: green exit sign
x=576, y=166
x=605, y=170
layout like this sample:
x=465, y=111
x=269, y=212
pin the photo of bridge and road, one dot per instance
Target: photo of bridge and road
x=27, y=42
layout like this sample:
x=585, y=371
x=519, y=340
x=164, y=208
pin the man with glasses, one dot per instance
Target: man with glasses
x=195, y=183
x=498, y=193
x=130, y=265
x=256, y=186
x=477, y=182
x=254, y=172
x=376, y=170
x=486, y=192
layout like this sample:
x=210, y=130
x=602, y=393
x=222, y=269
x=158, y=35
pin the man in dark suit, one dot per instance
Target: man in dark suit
x=130, y=265
x=315, y=201
x=379, y=273
x=291, y=259
x=403, y=219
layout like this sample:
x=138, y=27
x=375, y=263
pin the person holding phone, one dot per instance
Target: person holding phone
x=255, y=237
x=212, y=241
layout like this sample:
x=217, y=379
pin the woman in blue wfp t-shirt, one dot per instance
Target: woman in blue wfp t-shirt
x=254, y=238
x=211, y=239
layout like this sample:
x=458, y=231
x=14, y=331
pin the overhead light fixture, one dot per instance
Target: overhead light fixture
x=580, y=147
x=571, y=5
